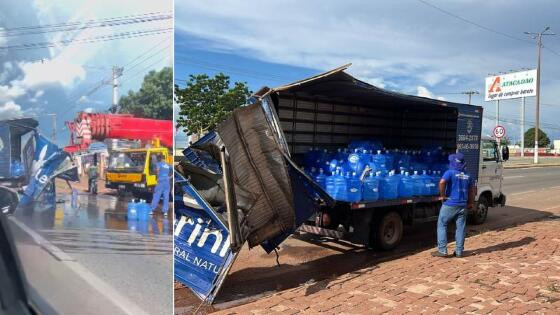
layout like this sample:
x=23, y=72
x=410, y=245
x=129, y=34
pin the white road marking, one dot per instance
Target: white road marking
x=105, y=289
x=522, y=193
x=510, y=177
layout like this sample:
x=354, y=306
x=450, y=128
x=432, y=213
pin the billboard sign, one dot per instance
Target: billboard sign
x=511, y=85
x=202, y=245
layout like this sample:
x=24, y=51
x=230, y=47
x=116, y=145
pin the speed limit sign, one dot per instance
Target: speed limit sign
x=499, y=132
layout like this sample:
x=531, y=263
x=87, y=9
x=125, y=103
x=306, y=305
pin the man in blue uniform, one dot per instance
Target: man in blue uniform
x=163, y=171
x=457, y=189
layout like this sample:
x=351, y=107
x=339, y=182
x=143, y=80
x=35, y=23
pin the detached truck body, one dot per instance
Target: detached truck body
x=241, y=183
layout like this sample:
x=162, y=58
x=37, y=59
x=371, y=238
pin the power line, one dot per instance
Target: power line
x=145, y=52
x=486, y=28
x=232, y=68
x=103, y=38
x=65, y=27
x=132, y=76
x=483, y=27
x=149, y=57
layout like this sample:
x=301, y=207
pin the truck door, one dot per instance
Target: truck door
x=151, y=178
x=491, y=168
x=202, y=253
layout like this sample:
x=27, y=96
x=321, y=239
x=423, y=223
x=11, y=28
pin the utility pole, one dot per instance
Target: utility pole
x=538, y=37
x=117, y=72
x=522, y=142
x=470, y=94
x=53, y=127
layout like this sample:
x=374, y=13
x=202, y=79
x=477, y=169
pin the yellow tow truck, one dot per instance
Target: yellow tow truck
x=134, y=170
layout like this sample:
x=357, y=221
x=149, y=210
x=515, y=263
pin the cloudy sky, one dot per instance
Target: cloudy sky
x=61, y=79
x=407, y=46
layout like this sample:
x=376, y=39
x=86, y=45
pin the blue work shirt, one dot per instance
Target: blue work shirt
x=457, y=186
x=163, y=170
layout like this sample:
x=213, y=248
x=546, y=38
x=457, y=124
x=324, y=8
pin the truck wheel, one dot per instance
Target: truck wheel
x=389, y=231
x=480, y=212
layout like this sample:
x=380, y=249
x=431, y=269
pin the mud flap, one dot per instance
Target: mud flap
x=202, y=253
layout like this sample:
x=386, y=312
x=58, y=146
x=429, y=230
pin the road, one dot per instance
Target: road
x=530, y=179
x=307, y=257
x=122, y=264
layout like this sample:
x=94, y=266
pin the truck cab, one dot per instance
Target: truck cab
x=134, y=170
x=489, y=185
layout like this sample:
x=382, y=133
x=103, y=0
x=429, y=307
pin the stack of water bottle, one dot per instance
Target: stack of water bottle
x=366, y=171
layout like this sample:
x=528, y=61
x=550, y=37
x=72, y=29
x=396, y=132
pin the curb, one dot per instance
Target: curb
x=530, y=166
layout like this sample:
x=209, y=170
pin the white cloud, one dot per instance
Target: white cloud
x=10, y=110
x=423, y=92
x=8, y=93
x=37, y=95
x=54, y=71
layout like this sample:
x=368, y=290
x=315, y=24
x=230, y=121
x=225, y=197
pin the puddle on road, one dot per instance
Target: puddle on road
x=93, y=212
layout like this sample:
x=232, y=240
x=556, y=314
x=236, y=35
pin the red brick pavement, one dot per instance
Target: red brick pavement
x=510, y=271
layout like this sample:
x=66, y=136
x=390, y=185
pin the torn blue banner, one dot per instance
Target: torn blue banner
x=49, y=161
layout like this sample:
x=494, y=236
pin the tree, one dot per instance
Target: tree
x=530, y=138
x=154, y=99
x=205, y=102
x=506, y=141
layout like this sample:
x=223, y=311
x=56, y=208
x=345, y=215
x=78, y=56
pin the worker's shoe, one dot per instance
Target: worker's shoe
x=437, y=253
x=165, y=214
x=458, y=255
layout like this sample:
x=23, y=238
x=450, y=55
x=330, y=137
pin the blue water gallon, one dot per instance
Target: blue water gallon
x=365, y=157
x=339, y=187
x=426, y=183
x=330, y=184
x=132, y=211
x=404, y=160
x=17, y=169
x=389, y=187
x=354, y=161
x=418, y=183
x=406, y=186
x=143, y=210
x=370, y=188
x=389, y=160
x=379, y=161
x=333, y=164
x=321, y=179
x=354, y=193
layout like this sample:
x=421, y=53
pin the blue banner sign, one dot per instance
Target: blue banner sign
x=202, y=251
x=48, y=162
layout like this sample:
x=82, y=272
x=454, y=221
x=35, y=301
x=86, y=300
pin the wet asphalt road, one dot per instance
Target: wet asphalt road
x=131, y=257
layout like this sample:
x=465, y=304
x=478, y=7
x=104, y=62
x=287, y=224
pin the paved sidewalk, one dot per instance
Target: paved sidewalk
x=515, y=270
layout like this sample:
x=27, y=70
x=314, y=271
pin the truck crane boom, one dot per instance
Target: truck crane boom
x=100, y=126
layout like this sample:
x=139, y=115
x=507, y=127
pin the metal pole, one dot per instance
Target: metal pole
x=115, y=87
x=523, y=126
x=54, y=128
x=117, y=72
x=536, y=153
x=538, y=37
x=498, y=112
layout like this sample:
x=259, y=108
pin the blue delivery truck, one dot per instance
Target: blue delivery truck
x=244, y=182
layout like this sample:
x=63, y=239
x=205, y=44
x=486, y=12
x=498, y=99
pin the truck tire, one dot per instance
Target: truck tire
x=480, y=212
x=388, y=231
